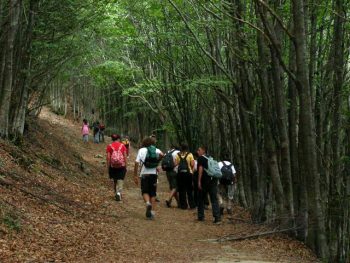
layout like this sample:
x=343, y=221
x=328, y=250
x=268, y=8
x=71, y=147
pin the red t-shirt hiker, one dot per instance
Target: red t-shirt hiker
x=116, y=164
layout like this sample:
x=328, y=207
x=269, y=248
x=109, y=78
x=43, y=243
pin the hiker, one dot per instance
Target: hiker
x=117, y=164
x=148, y=158
x=154, y=137
x=195, y=184
x=126, y=142
x=95, y=130
x=206, y=185
x=226, y=186
x=85, y=130
x=101, y=136
x=185, y=165
x=168, y=165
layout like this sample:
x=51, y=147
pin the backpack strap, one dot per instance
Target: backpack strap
x=120, y=147
x=112, y=147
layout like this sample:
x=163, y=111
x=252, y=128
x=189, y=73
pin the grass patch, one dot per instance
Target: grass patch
x=9, y=218
x=12, y=222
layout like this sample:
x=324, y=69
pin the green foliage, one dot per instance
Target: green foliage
x=111, y=72
x=10, y=218
x=12, y=221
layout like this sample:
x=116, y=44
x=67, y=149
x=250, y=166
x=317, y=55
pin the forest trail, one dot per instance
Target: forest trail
x=99, y=229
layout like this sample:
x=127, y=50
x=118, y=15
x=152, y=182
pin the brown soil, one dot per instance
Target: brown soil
x=53, y=210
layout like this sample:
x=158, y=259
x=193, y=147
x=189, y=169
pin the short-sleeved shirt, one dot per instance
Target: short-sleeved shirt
x=174, y=154
x=189, y=159
x=227, y=163
x=203, y=161
x=140, y=158
x=116, y=146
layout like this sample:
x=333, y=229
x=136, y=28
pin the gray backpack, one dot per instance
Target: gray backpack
x=213, y=168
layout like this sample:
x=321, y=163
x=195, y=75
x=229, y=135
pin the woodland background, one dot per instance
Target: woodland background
x=265, y=81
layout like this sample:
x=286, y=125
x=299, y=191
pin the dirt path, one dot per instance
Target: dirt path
x=121, y=233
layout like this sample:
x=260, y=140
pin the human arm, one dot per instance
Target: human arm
x=161, y=155
x=200, y=174
x=108, y=161
x=176, y=160
x=234, y=174
x=192, y=163
x=125, y=155
x=125, y=158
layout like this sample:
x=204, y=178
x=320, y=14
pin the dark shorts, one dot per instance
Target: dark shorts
x=171, y=175
x=117, y=173
x=149, y=184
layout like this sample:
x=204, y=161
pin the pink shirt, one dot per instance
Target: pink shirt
x=85, y=129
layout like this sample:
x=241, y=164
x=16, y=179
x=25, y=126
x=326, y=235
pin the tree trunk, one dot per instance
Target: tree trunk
x=317, y=234
x=14, y=10
x=336, y=176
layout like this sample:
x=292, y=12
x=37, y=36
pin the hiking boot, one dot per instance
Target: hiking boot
x=221, y=211
x=168, y=203
x=217, y=221
x=149, y=211
x=118, y=197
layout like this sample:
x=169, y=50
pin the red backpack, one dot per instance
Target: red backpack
x=117, y=158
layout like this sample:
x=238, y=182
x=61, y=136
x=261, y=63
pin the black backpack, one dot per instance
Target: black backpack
x=227, y=175
x=183, y=165
x=151, y=160
x=168, y=161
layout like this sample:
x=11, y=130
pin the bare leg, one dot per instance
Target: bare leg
x=114, y=186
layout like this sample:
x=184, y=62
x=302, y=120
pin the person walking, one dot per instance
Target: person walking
x=148, y=158
x=170, y=168
x=185, y=165
x=96, y=131
x=126, y=142
x=226, y=186
x=117, y=164
x=85, y=131
x=101, y=136
x=206, y=185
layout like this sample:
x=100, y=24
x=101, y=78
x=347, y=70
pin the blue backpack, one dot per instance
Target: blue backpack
x=213, y=168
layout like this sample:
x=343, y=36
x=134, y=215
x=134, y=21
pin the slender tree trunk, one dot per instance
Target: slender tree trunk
x=14, y=9
x=336, y=176
x=317, y=233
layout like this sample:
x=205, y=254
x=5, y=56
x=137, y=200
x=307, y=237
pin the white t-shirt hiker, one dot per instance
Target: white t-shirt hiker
x=174, y=154
x=140, y=158
x=221, y=164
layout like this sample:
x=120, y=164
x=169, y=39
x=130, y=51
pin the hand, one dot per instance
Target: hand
x=199, y=186
x=136, y=180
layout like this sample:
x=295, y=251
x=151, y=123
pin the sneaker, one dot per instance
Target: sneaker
x=168, y=203
x=149, y=211
x=118, y=197
x=221, y=211
x=217, y=221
